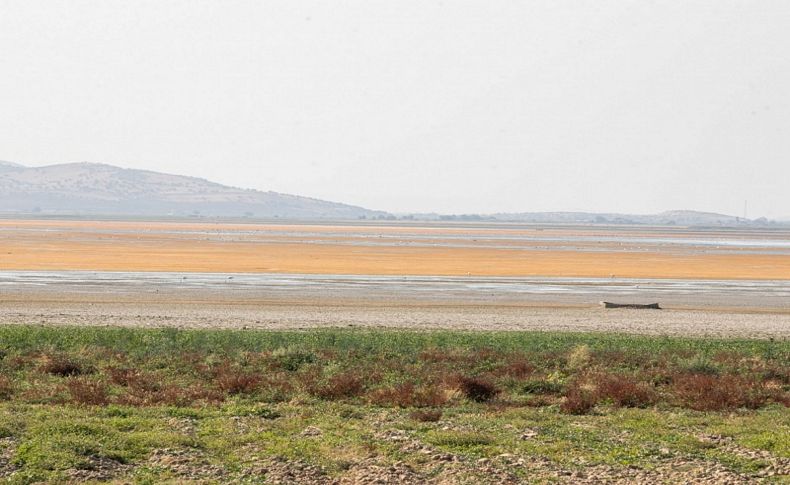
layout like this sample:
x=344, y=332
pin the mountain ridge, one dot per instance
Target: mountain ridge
x=84, y=188
x=98, y=188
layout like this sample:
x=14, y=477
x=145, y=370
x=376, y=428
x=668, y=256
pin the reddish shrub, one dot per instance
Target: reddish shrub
x=715, y=393
x=518, y=367
x=175, y=395
x=578, y=400
x=623, y=391
x=144, y=390
x=87, y=391
x=61, y=365
x=477, y=389
x=426, y=415
x=122, y=376
x=6, y=388
x=340, y=386
x=235, y=381
x=19, y=362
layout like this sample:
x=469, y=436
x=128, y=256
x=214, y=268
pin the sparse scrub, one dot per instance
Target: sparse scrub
x=340, y=386
x=234, y=380
x=717, y=393
x=84, y=400
x=87, y=391
x=517, y=367
x=6, y=388
x=624, y=391
x=579, y=399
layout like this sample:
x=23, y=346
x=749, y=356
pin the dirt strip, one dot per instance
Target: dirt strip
x=304, y=314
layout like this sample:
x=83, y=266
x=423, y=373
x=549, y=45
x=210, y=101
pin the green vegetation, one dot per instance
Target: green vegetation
x=152, y=405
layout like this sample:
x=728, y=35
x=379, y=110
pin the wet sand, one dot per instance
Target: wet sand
x=485, y=250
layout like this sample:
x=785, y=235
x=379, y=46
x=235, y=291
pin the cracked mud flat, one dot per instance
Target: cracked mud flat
x=225, y=310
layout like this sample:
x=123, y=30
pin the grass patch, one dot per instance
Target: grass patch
x=72, y=397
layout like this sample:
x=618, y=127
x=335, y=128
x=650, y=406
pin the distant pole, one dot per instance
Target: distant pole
x=744, y=208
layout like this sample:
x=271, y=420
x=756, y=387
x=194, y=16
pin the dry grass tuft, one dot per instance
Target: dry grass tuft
x=87, y=391
x=579, y=357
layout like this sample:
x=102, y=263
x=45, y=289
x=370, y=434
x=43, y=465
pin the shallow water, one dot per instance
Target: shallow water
x=702, y=293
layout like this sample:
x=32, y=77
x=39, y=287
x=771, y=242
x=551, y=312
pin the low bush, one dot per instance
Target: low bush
x=122, y=376
x=578, y=399
x=477, y=389
x=233, y=380
x=518, y=367
x=6, y=388
x=624, y=391
x=726, y=392
x=61, y=365
x=87, y=391
x=340, y=386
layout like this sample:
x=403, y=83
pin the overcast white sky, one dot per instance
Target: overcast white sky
x=449, y=106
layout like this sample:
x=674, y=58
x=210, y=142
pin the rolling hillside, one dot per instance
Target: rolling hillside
x=90, y=188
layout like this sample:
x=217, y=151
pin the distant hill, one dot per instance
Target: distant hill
x=92, y=188
x=9, y=166
x=679, y=217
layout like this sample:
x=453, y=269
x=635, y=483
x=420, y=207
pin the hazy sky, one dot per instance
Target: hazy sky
x=450, y=106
